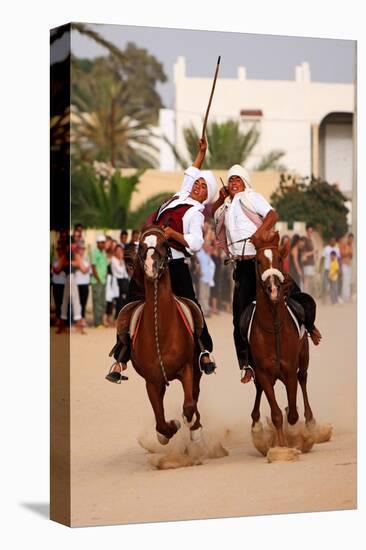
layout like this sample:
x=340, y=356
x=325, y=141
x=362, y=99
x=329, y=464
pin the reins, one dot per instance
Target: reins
x=277, y=324
x=161, y=266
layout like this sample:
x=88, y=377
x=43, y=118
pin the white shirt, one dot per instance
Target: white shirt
x=207, y=266
x=238, y=225
x=193, y=219
x=327, y=252
x=58, y=278
x=83, y=278
x=118, y=268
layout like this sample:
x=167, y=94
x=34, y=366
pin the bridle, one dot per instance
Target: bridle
x=161, y=267
x=163, y=260
x=271, y=271
x=277, y=323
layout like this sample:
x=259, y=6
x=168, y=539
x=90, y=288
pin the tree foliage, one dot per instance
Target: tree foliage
x=104, y=201
x=317, y=202
x=227, y=145
x=108, y=123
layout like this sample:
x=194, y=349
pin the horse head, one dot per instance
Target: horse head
x=269, y=262
x=153, y=252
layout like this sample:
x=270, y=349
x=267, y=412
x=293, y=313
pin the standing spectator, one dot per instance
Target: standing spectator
x=77, y=234
x=294, y=263
x=286, y=261
x=123, y=238
x=207, y=268
x=346, y=252
x=333, y=277
x=99, y=269
x=111, y=283
x=82, y=277
x=119, y=271
x=308, y=260
x=325, y=264
x=59, y=271
x=71, y=307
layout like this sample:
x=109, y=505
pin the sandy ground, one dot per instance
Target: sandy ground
x=114, y=482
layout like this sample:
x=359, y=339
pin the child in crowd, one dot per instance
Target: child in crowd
x=333, y=277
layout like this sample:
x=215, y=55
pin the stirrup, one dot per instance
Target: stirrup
x=211, y=367
x=115, y=376
x=244, y=369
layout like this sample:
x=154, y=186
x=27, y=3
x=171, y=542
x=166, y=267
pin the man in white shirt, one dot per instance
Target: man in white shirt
x=182, y=219
x=240, y=212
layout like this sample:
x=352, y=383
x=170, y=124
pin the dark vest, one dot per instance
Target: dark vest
x=172, y=217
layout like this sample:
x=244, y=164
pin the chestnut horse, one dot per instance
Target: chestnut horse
x=163, y=348
x=279, y=352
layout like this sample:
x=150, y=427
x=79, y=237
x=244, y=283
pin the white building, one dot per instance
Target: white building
x=311, y=121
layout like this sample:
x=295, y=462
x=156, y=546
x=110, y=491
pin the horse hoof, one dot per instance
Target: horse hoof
x=257, y=427
x=196, y=435
x=176, y=423
x=162, y=439
x=189, y=424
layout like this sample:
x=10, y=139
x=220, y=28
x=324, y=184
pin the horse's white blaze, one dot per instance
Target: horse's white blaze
x=268, y=254
x=150, y=241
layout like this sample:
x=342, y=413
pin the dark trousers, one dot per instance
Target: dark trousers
x=182, y=285
x=83, y=296
x=58, y=292
x=245, y=292
x=122, y=297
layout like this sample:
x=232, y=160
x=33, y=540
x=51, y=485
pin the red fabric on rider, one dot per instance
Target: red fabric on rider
x=173, y=217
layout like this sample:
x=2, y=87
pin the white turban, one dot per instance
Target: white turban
x=210, y=180
x=240, y=171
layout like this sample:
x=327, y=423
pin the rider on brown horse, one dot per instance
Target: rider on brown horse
x=240, y=213
x=182, y=220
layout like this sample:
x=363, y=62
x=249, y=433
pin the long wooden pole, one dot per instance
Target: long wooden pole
x=211, y=96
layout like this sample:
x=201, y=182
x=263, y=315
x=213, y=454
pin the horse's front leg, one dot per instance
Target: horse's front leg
x=276, y=413
x=190, y=382
x=256, y=412
x=164, y=430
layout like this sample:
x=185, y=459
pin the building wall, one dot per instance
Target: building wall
x=289, y=109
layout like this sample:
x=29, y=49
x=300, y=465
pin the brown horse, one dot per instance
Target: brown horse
x=279, y=352
x=163, y=348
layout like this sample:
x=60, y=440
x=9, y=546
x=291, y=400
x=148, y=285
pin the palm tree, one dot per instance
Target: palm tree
x=227, y=145
x=105, y=201
x=106, y=123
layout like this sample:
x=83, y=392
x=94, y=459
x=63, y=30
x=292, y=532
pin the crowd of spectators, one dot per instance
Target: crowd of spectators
x=106, y=269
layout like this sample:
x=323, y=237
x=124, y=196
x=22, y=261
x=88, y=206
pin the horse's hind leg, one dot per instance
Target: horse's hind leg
x=164, y=430
x=302, y=376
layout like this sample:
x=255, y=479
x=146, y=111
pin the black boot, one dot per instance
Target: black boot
x=121, y=351
x=207, y=367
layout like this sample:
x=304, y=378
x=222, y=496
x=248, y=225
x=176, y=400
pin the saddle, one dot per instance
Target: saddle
x=295, y=309
x=130, y=315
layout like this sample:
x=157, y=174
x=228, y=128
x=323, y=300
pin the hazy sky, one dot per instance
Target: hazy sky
x=264, y=56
